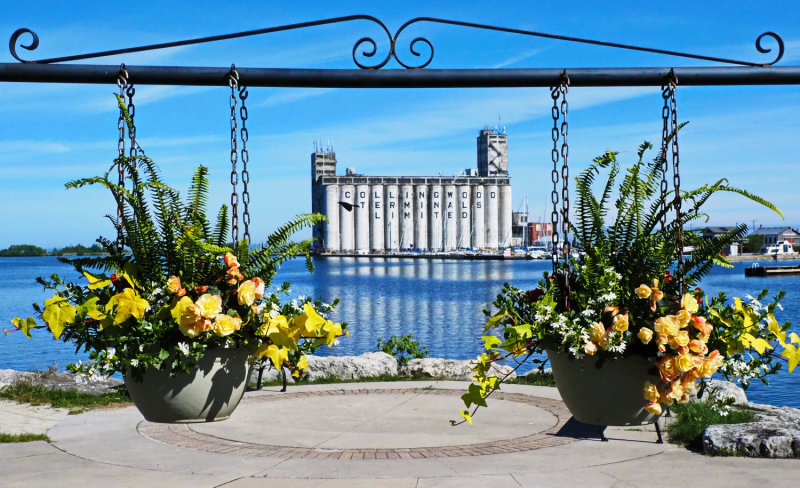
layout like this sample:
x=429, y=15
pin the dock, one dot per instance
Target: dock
x=763, y=271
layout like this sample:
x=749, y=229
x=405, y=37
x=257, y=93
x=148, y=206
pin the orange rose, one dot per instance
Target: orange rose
x=259, y=288
x=697, y=346
x=231, y=261
x=650, y=392
x=590, y=348
x=668, y=369
x=702, y=325
x=654, y=408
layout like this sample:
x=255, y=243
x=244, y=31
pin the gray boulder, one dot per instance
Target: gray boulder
x=367, y=365
x=776, y=434
x=722, y=390
x=449, y=368
x=59, y=381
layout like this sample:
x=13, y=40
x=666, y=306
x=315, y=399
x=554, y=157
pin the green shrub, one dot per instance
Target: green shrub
x=403, y=348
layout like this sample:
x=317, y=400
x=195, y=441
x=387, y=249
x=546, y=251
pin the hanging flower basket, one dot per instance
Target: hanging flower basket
x=604, y=392
x=173, y=306
x=208, y=393
x=626, y=328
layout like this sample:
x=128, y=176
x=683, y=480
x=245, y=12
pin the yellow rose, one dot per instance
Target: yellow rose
x=666, y=325
x=681, y=339
x=173, y=284
x=645, y=335
x=226, y=325
x=192, y=322
x=246, y=293
x=596, y=331
x=643, y=291
x=620, y=323
x=650, y=392
x=683, y=317
x=590, y=348
x=684, y=362
x=210, y=305
x=654, y=408
x=689, y=303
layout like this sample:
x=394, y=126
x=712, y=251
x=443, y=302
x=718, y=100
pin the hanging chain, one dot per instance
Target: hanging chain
x=555, y=93
x=564, y=88
x=676, y=177
x=134, y=152
x=122, y=83
x=666, y=94
x=233, y=81
x=245, y=158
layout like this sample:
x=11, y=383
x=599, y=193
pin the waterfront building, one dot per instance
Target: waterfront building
x=774, y=235
x=377, y=214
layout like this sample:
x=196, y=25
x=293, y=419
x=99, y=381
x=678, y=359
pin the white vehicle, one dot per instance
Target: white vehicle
x=782, y=247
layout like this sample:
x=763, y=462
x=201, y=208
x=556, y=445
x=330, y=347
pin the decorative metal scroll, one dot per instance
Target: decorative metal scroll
x=367, y=47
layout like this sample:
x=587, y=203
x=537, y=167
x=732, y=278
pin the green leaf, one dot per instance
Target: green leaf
x=58, y=312
x=24, y=325
x=96, y=280
x=494, y=321
x=490, y=342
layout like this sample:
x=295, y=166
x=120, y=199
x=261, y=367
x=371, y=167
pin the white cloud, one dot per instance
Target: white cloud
x=518, y=58
x=291, y=95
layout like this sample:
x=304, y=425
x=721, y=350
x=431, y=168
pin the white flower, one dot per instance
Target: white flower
x=134, y=362
x=588, y=312
x=183, y=348
x=110, y=352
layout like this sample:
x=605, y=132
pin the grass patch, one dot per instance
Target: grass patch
x=693, y=418
x=8, y=438
x=545, y=379
x=25, y=392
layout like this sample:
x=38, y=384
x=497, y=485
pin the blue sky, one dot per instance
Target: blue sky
x=50, y=134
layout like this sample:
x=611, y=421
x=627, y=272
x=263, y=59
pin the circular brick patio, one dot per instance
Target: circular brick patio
x=245, y=439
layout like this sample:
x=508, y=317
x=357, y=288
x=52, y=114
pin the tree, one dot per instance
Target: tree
x=754, y=243
x=22, y=250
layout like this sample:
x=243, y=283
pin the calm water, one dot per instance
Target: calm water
x=438, y=301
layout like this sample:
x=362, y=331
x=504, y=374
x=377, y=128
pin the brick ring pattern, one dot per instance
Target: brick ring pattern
x=181, y=435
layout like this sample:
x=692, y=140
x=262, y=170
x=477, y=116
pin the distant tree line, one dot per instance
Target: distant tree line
x=28, y=250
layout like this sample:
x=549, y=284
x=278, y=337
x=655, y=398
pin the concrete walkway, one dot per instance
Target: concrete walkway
x=366, y=434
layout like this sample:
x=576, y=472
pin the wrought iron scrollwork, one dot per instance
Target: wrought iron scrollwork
x=367, y=47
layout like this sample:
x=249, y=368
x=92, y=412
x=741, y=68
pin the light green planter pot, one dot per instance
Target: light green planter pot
x=208, y=394
x=610, y=395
